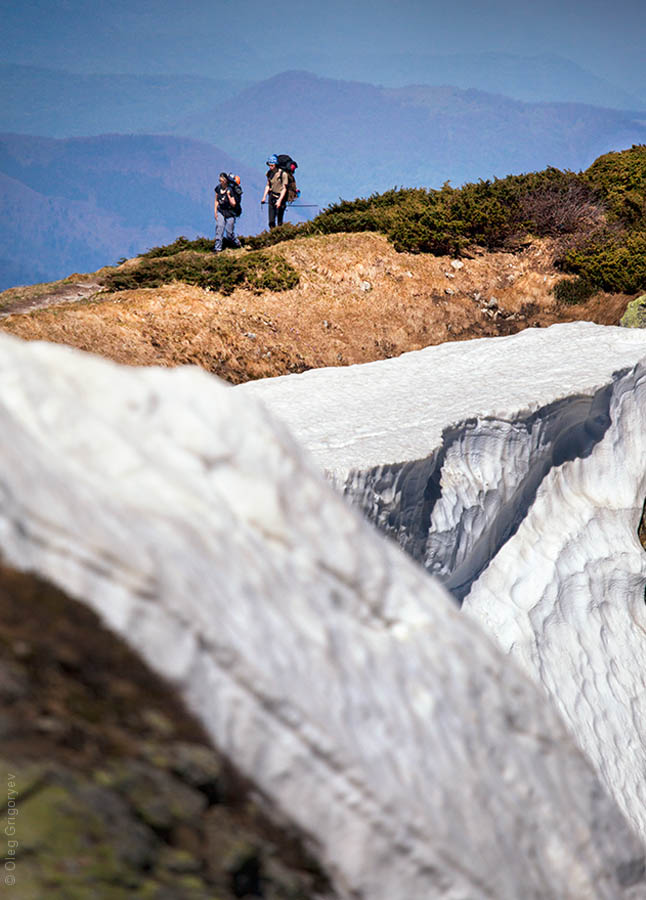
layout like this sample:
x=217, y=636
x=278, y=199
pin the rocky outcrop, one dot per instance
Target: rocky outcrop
x=414, y=757
x=515, y=470
x=635, y=315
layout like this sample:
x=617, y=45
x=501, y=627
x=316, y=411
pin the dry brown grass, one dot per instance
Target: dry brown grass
x=328, y=320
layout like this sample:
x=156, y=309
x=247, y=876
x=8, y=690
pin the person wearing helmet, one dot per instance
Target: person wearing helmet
x=275, y=191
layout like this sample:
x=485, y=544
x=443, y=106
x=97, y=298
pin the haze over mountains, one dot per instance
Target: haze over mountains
x=74, y=205
x=59, y=103
x=386, y=43
x=55, y=103
x=536, y=78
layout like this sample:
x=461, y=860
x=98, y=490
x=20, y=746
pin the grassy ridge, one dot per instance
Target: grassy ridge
x=599, y=217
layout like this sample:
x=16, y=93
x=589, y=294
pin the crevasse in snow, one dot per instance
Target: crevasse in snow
x=515, y=470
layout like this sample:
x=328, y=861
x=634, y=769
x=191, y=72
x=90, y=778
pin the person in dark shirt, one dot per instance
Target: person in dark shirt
x=225, y=211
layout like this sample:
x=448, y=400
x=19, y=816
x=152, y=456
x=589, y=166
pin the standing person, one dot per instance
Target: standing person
x=225, y=211
x=275, y=192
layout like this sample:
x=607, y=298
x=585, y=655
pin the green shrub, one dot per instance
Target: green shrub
x=573, y=290
x=224, y=273
x=179, y=245
x=620, y=180
x=286, y=232
x=615, y=261
x=492, y=214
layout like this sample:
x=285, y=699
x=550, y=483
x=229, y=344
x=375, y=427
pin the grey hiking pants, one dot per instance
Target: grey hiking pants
x=225, y=228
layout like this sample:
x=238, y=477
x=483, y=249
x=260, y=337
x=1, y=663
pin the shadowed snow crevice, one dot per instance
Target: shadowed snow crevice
x=454, y=510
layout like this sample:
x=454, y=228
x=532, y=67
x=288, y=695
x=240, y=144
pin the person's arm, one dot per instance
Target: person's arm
x=283, y=193
x=264, y=196
x=215, y=206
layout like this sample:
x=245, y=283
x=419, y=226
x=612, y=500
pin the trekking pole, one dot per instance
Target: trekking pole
x=299, y=205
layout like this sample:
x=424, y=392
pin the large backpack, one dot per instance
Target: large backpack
x=289, y=165
x=234, y=184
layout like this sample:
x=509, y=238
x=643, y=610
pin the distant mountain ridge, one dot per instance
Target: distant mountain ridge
x=533, y=79
x=57, y=103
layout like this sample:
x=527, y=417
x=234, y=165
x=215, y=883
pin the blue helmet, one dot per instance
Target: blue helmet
x=272, y=160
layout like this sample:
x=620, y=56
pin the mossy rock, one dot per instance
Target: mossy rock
x=110, y=805
x=67, y=845
x=155, y=796
x=78, y=841
x=635, y=315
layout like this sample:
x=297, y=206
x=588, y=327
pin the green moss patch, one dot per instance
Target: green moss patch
x=222, y=272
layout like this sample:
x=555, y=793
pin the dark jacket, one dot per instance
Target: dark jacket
x=224, y=206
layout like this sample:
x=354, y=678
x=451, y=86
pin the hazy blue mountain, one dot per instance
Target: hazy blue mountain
x=52, y=103
x=542, y=78
x=77, y=204
x=352, y=139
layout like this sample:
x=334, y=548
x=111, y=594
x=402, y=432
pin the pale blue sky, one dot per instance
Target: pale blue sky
x=248, y=39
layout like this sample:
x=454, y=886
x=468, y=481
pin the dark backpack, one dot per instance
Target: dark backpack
x=234, y=184
x=289, y=165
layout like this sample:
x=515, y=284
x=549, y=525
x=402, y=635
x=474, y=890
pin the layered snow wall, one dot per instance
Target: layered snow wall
x=416, y=757
x=515, y=470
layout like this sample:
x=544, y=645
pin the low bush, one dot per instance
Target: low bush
x=620, y=181
x=179, y=245
x=492, y=214
x=560, y=206
x=573, y=290
x=224, y=273
x=284, y=232
x=614, y=261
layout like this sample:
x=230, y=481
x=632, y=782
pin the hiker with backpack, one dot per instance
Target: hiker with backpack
x=281, y=186
x=226, y=208
x=275, y=191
